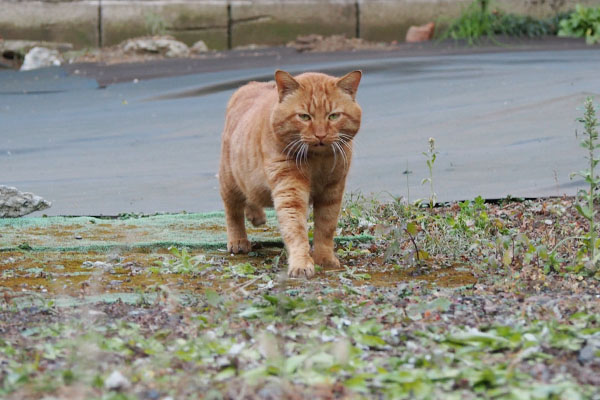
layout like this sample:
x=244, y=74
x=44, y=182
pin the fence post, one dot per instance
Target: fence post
x=357, y=15
x=99, y=32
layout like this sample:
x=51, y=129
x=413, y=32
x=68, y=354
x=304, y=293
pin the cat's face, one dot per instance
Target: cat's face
x=316, y=111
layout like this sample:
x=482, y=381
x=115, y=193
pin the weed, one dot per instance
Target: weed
x=524, y=25
x=155, y=23
x=477, y=21
x=584, y=22
x=353, y=274
x=431, y=155
x=182, y=262
x=586, y=199
x=473, y=23
x=407, y=172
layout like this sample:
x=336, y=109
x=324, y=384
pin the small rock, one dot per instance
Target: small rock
x=41, y=57
x=96, y=313
x=271, y=391
x=78, y=237
x=589, y=352
x=116, y=381
x=14, y=203
x=13, y=47
x=164, y=45
x=421, y=33
x=319, y=43
x=98, y=265
x=236, y=349
x=151, y=394
x=199, y=47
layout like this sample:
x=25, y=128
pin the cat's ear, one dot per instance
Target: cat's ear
x=349, y=83
x=286, y=83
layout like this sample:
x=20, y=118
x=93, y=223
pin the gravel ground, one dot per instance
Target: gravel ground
x=520, y=321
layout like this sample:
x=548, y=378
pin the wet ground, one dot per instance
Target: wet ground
x=80, y=275
x=86, y=258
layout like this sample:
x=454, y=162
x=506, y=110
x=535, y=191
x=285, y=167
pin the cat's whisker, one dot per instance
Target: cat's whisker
x=301, y=155
x=343, y=153
x=294, y=149
x=334, y=158
x=347, y=138
x=305, y=153
x=346, y=156
x=344, y=137
x=299, y=158
x=287, y=148
x=346, y=144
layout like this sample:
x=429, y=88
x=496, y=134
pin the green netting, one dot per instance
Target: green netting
x=101, y=234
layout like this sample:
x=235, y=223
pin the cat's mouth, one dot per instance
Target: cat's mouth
x=320, y=145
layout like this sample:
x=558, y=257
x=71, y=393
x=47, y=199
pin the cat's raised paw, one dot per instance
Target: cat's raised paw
x=301, y=269
x=256, y=215
x=239, y=246
x=327, y=261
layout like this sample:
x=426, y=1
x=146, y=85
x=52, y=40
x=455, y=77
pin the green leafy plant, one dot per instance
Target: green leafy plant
x=472, y=218
x=478, y=21
x=431, y=155
x=584, y=22
x=473, y=23
x=155, y=23
x=182, y=262
x=586, y=198
x=526, y=26
x=353, y=274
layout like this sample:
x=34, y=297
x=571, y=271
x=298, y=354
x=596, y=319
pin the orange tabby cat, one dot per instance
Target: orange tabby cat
x=287, y=144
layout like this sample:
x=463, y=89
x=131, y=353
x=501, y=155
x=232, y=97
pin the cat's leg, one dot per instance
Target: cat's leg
x=290, y=197
x=255, y=214
x=326, y=210
x=237, y=240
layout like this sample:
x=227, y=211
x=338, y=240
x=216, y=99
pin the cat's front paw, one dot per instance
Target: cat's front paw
x=239, y=246
x=301, y=267
x=326, y=260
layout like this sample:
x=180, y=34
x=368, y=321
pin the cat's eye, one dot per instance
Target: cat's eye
x=304, y=117
x=333, y=116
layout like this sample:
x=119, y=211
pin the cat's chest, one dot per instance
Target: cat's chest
x=323, y=172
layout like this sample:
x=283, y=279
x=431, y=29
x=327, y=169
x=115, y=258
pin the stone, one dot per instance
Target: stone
x=14, y=203
x=163, y=45
x=199, y=47
x=116, y=381
x=41, y=57
x=422, y=33
x=590, y=352
x=23, y=46
x=319, y=43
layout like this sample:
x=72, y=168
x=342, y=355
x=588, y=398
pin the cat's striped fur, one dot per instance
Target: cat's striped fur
x=287, y=144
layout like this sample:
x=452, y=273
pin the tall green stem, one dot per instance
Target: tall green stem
x=592, y=246
x=590, y=123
